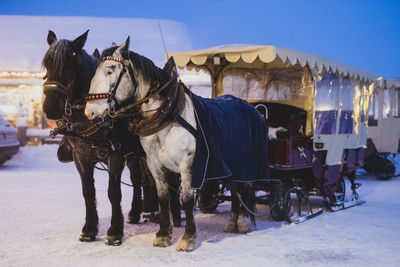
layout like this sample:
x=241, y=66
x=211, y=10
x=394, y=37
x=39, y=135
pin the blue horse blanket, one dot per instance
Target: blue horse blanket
x=231, y=141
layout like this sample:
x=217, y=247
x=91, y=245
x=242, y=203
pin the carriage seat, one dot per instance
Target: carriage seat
x=292, y=149
x=289, y=117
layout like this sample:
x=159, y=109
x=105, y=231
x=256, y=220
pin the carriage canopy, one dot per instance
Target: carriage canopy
x=334, y=95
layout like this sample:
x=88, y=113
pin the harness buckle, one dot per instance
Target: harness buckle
x=53, y=134
x=102, y=121
x=111, y=124
x=67, y=108
x=111, y=111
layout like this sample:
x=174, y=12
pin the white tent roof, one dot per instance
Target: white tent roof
x=267, y=54
x=23, y=38
x=393, y=82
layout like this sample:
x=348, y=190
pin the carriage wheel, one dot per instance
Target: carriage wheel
x=388, y=173
x=282, y=210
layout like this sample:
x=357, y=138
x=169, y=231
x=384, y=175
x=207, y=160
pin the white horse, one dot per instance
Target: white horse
x=171, y=148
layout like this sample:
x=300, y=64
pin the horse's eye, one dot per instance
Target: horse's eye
x=109, y=72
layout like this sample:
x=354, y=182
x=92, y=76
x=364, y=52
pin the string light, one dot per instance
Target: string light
x=21, y=75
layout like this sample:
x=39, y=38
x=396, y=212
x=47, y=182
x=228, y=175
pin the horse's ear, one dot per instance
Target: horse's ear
x=170, y=66
x=51, y=37
x=113, y=44
x=123, y=49
x=79, y=42
x=96, y=54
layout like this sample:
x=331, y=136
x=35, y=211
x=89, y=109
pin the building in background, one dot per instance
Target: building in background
x=21, y=97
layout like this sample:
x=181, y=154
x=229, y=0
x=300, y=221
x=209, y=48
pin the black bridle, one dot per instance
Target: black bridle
x=64, y=91
x=64, y=126
x=128, y=107
x=112, y=101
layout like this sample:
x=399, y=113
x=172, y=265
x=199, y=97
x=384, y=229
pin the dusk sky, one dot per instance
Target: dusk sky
x=362, y=33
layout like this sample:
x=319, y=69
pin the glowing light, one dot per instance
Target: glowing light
x=22, y=75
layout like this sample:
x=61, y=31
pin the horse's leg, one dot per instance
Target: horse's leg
x=188, y=240
x=174, y=195
x=246, y=219
x=85, y=169
x=115, y=232
x=232, y=224
x=150, y=198
x=135, y=175
x=163, y=236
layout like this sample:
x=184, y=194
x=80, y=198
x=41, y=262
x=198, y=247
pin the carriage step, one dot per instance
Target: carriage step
x=345, y=205
x=301, y=219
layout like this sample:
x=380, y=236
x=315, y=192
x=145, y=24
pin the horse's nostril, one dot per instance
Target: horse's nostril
x=91, y=115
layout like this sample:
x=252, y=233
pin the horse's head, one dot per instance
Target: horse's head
x=121, y=76
x=69, y=71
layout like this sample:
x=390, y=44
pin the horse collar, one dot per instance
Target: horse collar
x=167, y=113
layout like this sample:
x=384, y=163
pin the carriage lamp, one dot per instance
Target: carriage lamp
x=217, y=60
x=319, y=145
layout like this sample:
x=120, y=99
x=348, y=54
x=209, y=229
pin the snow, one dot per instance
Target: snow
x=43, y=212
x=38, y=132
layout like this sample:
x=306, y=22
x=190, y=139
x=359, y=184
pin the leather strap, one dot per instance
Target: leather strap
x=163, y=117
x=187, y=126
x=126, y=108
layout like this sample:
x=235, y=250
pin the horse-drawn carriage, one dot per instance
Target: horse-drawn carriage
x=383, y=145
x=322, y=106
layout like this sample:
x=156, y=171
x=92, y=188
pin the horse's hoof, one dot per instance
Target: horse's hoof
x=244, y=224
x=187, y=244
x=113, y=240
x=87, y=237
x=162, y=241
x=231, y=226
x=152, y=217
x=133, y=219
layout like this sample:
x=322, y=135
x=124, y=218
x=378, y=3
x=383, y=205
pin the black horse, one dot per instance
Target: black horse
x=69, y=72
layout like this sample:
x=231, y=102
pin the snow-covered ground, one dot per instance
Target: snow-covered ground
x=42, y=213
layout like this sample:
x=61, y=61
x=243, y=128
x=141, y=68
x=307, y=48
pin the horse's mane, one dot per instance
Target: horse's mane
x=150, y=72
x=60, y=52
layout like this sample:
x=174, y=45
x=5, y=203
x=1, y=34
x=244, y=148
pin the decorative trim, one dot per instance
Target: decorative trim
x=119, y=60
x=94, y=97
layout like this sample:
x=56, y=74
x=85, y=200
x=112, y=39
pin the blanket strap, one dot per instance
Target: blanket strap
x=187, y=126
